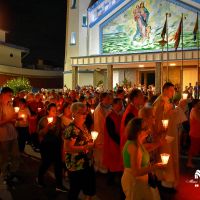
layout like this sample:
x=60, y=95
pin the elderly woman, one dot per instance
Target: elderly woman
x=78, y=146
x=137, y=162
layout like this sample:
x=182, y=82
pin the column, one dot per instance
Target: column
x=145, y=78
x=74, y=77
x=110, y=77
x=158, y=77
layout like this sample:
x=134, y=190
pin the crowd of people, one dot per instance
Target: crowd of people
x=131, y=137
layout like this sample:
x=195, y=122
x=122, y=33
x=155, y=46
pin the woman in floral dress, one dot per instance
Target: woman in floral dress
x=78, y=146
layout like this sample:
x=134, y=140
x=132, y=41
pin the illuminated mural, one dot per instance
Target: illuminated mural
x=138, y=27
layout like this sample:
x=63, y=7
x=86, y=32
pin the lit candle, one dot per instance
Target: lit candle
x=164, y=158
x=94, y=135
x=126, y=100
x=39, y=109
x=16, y=109
x=12, y=98
x=165, y=123
x=23, y=116
x=92, y=111
x=184, y=95
x=50, y=119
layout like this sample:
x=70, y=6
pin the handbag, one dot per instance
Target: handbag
x=152, y=180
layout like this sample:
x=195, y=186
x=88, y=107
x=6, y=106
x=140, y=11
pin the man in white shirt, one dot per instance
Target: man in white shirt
x=9, y=153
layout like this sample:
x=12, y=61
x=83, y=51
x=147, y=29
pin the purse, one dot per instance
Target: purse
x=152, y=180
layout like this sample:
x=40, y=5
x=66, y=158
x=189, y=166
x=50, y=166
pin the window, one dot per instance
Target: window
x=73, y=38
x=84, y=21
x=73, y=4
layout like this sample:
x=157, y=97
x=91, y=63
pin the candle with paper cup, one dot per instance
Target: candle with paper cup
x=94, y=135
x=50, y=119
x=39, y=109
x=164, y=158
x=165, y=123
x=184, y=95
x=16, y=109
x=22, y=116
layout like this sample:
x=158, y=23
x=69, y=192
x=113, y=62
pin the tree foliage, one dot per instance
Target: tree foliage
x=18, y=84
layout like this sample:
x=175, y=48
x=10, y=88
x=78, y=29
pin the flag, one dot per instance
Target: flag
x=178, y=34
x=164, y=30
x=195, y=31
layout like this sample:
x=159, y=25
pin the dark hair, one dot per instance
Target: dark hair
x=134, y=93
x=50, y=106
x=22, y=100
x=65, y=105
x=103, y=95
x=116, y=101
x=119, y=91
x=133, y=128
x=6, y=90
x=167, y=85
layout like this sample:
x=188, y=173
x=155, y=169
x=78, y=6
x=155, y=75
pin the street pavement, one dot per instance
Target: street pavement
x=27, y=189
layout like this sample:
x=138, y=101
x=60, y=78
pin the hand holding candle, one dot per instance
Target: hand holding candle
x=50, y=119
x=94, y=135
x=16, y=109
x=164, y=158
x=92, y=111
x=165, y=123
x=184, y=95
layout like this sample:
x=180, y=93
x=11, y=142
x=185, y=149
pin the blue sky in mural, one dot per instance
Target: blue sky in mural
x=139, y=27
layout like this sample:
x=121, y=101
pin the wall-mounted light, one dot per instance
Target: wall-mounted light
x=172, y=64
x=141, y=65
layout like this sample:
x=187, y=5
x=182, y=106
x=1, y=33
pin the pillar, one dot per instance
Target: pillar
x=158, y=77
x=110, y=77
x=74, y=77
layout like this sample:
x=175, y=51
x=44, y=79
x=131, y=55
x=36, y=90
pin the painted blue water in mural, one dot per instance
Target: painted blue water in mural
x=137, y=27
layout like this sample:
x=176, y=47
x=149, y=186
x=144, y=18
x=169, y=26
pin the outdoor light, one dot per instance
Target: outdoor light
x=172, y=64
x=141, y=65
x=165, y=123
x=164, y=158
x=94, y=135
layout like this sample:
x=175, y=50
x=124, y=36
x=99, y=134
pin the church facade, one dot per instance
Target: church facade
x=142, y=42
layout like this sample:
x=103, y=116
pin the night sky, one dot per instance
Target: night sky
x=38, y=25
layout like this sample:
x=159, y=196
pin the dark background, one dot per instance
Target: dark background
x=38, y=25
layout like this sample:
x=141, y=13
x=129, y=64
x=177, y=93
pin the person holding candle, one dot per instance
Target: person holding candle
x=78, y=146
x=50, y=147
x=66, y=117
x=137, y=163
x=22, y=124
x=9, y=151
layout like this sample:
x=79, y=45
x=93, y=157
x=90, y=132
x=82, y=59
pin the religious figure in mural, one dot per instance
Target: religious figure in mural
x=141, y=17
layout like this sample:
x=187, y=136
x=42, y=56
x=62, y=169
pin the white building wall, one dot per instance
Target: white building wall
x=83, y=30
x=10, y=56
x=85, y=79
x=2, y=36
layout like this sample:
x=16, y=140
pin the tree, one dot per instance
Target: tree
x=18, y=84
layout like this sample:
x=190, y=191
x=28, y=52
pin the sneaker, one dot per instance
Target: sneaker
x=61, y=189
x=39, y=184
